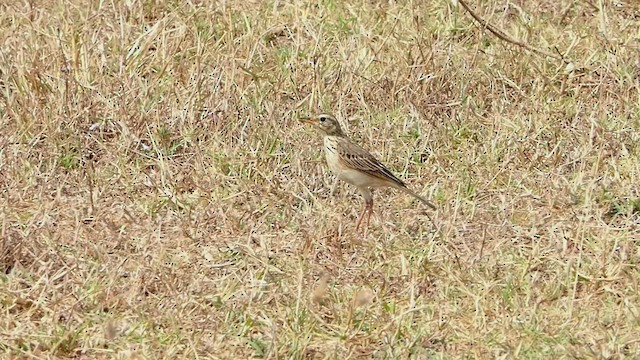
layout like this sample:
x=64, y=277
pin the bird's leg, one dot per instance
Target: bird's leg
x=368, y=206
x=362, y=215
x=367, y=210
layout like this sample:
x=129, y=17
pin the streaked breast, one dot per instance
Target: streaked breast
x=331, y=153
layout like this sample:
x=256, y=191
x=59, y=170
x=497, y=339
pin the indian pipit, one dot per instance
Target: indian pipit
x=355, y=165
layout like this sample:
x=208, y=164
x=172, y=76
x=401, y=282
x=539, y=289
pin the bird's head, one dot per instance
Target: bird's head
x=325, y=122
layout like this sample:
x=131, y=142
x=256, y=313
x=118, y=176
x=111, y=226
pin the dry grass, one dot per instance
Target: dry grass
x=160, y=199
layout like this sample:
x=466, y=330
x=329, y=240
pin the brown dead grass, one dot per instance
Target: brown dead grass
x=160, y=199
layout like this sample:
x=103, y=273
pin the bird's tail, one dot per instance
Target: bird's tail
x=424, y=201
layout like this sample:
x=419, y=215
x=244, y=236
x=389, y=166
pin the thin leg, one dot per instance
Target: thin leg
x=366, y=210
x=369, y=207
x=361, y=217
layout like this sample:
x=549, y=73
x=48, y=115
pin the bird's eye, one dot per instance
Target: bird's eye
x=322, y=118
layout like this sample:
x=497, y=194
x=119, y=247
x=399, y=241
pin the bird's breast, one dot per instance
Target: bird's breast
x=331, y=153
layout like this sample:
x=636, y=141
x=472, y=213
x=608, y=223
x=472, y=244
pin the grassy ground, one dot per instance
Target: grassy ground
x=159, y=199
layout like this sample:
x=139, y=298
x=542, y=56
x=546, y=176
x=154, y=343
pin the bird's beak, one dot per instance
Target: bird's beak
x=307, y=120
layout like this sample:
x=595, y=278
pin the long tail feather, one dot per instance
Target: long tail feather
x=424, y=201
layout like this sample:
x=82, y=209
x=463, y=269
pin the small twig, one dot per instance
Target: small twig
x=503, y=36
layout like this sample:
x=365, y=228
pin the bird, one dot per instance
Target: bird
x=352, y=163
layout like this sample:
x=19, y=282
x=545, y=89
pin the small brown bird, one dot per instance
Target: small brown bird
x=355, y=165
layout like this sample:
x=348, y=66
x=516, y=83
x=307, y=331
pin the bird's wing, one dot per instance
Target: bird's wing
x=354, y=156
